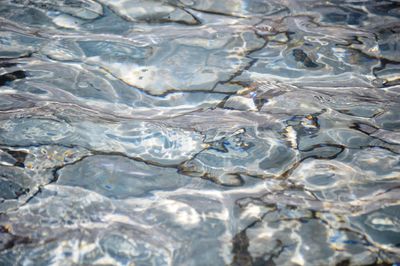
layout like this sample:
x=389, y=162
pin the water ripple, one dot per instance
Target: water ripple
x=199, y=132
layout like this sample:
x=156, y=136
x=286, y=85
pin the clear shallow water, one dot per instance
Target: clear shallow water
x=199, y=132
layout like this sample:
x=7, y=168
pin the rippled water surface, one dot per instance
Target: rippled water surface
x=199, y=132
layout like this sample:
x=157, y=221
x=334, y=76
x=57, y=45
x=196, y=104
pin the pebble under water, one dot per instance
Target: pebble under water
x=199, y=132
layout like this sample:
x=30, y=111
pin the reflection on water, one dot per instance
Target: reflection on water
x=199, y=132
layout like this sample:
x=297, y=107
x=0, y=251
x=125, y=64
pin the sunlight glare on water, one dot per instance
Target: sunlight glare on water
x=199, y=132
